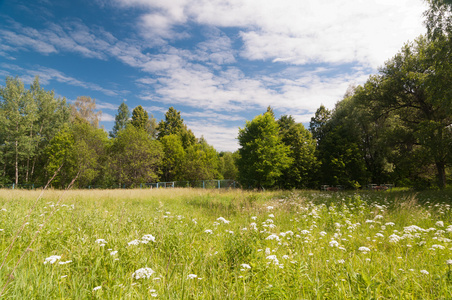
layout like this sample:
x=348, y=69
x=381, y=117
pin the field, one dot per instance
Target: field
x=210, y=244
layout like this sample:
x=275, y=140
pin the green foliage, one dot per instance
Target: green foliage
x=263, y=155
x=201, y=162
x=174, y=124
x=121, y=119
x=81, y=149
x=228, y=165
x=173, y=158
x=302, y=171
x=135, y=157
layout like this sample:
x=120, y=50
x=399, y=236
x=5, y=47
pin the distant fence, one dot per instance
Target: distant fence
x=204, y=184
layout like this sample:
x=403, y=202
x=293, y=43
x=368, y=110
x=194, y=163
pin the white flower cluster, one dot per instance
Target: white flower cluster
x=142, y=273
x=52, y=259
x=144, y=240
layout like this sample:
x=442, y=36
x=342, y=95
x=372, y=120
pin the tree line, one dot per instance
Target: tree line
x=42, y=135
x=396, y=128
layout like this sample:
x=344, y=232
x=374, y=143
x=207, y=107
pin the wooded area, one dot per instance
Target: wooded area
x=396, y=128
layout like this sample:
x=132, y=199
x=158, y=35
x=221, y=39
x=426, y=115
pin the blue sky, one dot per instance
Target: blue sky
x=219, y=62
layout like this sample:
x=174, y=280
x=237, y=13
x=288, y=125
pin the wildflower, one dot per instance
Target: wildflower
x=253, y=218
x=97, y=288
x=267, y=251
x=379, y=234
x=322, y=233
x=449, y=261
x=341, y=261
x=273, y=258
x=65, y=262
x=113, y=252
x=223, y=220
x=364, y=249
x=142, y=273
x=334, y=243
x=424, y=272
x=52, y=259
x=246, y=266
x=134, y=242
x=272, y=237
x=208, y=231
x=285, y=257
x=271, y=215
x=192, y=276
x=389, y=224
x=439, y=224
x=148, y=237
x=101, y=241
x=394, y=238
x=269, y=207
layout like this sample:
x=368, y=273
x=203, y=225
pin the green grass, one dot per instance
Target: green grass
x=304, y=244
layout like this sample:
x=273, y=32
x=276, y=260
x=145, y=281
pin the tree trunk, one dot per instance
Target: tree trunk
x=441, y=167
x=17, y=164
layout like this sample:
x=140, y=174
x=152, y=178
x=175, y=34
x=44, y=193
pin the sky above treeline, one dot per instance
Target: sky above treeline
x=219, y=62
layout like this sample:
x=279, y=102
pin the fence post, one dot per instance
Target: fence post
x=219, y=185
x=13, y=186
x=203, y=185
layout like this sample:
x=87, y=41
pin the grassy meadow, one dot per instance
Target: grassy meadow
x=210, y=244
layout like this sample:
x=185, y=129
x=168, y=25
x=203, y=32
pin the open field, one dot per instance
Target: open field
x=203, y=244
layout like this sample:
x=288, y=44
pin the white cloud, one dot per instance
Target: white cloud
x=46, y=75
x=223, y=138
x=107, y=117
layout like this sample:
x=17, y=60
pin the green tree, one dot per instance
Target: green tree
x=135, y=157
x=173, y=159
x=201, y=162
x=416, y=86
x=340, y=150
x=140, y=119
x=121, y=119
x=18, y=113
x=317, y=126
x=82, y=149
x=301, y=172
x=174, y=124
x=52, y=114
x=263, y=155
x=228, y=165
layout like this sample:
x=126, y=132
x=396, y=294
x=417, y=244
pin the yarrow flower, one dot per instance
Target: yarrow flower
x=272, y=237
x=192, y=276
x=52, y=259
x=148, y=237
x=143, y=273
x=134, y=242
x=101, y=241
x=208, y=231
x=223, y=220
x=246, y=266
x=97, y=288
x=449, y=261
x=439, y=224
x=424, y=272
x=334, y=243
x=364, y=249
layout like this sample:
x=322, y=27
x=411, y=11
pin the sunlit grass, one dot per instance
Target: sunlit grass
x=212, y=244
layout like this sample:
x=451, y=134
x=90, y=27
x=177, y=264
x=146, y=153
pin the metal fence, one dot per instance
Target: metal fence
x=203, y=184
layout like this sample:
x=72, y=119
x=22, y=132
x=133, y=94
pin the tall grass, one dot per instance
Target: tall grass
x=272, y=245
